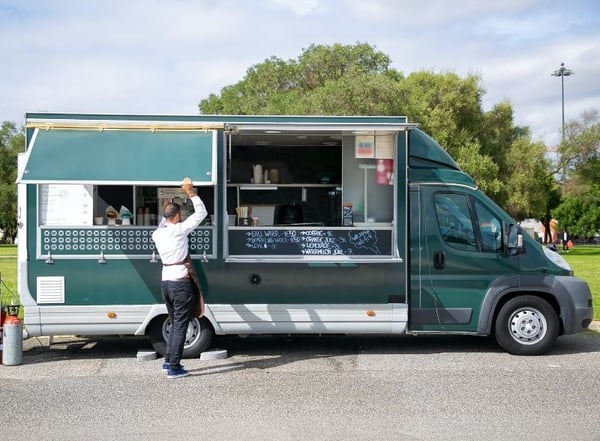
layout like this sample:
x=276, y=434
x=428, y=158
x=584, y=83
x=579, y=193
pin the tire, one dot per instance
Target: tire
x=198, y=337
x=527, y=325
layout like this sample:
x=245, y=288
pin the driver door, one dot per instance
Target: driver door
x=456, y=253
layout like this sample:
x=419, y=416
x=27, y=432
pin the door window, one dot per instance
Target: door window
x=454, y=220
x=466, y=229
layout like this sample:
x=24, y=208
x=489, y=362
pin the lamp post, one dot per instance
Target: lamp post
x=562, y=73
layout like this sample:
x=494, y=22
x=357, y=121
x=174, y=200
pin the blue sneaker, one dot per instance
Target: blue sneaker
x=166, y=366
x=178, y=372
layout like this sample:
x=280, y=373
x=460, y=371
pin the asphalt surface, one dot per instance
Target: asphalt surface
x=305, y=388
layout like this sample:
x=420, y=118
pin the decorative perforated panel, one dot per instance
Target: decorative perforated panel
x=112, y=241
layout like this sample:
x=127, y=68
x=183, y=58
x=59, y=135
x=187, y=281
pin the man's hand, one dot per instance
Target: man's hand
x=188, y=187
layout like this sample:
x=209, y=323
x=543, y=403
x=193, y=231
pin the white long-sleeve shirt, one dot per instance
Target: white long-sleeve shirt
x=171, y=240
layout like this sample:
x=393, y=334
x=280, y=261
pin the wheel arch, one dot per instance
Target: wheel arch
x=548, y=297
x=159, y=312
x=508, y=288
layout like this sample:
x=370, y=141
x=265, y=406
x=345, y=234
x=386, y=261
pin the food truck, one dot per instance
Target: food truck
x=319, y=225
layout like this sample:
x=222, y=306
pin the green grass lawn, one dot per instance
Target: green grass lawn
x=585, y=261
x=8, y=273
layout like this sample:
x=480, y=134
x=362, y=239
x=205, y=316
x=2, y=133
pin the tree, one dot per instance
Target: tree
x=12, y=141
x=337, y=79
x=580, y=146
x=579, y=159
x=580, y=214
x=526, y=187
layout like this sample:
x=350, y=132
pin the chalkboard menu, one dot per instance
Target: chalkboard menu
x=310, y=242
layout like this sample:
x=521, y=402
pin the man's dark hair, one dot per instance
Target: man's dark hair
x=172, y=209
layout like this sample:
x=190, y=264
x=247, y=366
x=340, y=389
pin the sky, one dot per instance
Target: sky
x=163, y=57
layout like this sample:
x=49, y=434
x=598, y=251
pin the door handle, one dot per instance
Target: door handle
x=439, y=260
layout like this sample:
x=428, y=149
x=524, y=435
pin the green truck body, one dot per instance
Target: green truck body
x=355, y=225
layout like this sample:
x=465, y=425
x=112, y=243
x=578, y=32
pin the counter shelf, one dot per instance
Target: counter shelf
x=121, y=241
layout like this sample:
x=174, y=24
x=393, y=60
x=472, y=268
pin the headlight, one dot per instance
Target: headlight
x=557, y=259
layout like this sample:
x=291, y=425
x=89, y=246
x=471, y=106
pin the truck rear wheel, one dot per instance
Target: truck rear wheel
x=198, y=337
x=527, y=325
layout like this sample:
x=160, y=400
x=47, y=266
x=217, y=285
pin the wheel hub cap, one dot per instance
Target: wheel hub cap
x=527, y=326
x=191, y=335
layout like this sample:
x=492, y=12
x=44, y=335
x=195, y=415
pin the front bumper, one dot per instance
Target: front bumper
x=576, y=308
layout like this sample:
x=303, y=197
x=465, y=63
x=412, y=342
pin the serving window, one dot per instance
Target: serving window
x=74, y=220
x=101, y=185
x=311, y=195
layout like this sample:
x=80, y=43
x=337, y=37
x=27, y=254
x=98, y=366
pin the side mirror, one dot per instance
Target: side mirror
x=512, y=239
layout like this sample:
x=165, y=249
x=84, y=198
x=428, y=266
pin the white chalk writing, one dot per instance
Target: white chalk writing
x=310, y=242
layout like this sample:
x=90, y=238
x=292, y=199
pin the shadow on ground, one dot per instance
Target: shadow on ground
x=292, y=348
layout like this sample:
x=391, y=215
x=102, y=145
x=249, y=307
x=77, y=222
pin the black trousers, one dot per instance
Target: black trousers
x=178, y=296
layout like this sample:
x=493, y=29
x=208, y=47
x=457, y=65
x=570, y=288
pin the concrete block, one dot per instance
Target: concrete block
x=214, y=354
x=146, y=355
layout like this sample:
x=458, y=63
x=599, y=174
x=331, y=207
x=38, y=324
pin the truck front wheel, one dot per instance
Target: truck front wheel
x=198, y=337
x=526, y=325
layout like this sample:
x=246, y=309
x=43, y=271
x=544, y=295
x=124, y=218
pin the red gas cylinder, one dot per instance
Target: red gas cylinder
x=12, y=354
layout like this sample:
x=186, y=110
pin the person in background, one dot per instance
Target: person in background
x=171, y=240
x=565, y=240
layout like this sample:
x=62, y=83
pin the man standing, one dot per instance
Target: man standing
x=171, y=239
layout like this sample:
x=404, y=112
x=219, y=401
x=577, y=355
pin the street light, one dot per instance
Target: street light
x=562, y=73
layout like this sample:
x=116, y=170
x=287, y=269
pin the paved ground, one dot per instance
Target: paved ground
x=306, y=388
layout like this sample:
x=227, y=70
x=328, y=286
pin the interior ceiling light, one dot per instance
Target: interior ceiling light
x=262, y=143
x=272, y=132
